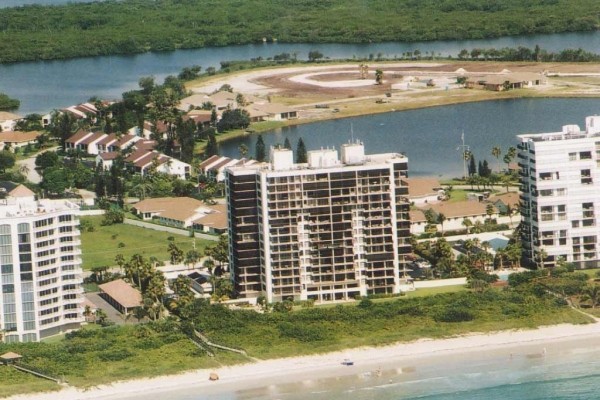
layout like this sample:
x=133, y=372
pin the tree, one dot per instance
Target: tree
x=287, y=144
x=7, y=160
x=139, y=313
x=181, y=287
x=219, y=252
x=509, y=156
x=55, y=181
x=63, y=126
x=509, y=212
x=540, y=257
x=47, y=159
x=497, y=152
x=441, y=218
x=467, y=223
x=7, y=103
x=591, y=292
x=472, y=168
x=243, y=150
x=314, y=55
x=155, y=291
x=192, y=257
x=212, y=148
x=378, y=77
x=176, y=253
x=101, y=317
x=260, y=150
x=186, y=131
x=490, y=210
x=233, y=119
x=301, y=154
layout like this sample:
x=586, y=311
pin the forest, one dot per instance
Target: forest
x=134, y=26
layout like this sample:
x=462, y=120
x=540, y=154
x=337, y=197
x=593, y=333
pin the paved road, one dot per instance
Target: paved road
x=32, y=174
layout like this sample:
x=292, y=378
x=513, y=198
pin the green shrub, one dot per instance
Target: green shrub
x=453, y=314
x=302, y=333
x=115, y=355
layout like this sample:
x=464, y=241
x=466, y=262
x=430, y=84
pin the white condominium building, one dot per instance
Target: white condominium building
x=40, y=266
x=329, y=229
x=560, y=185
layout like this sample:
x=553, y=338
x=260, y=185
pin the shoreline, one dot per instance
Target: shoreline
x=530, y=343
x=245, y=82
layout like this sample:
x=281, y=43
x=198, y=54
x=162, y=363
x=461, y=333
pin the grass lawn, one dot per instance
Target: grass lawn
x=590, y=272
x=102, y=245
x=435, y=290
x=16, y=382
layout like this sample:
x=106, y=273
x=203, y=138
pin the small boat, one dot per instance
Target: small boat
x=347, y=362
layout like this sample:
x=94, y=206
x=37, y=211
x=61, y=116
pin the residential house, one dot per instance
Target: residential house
x=8, y=120
x=214, y=166
x=424, y=191
x=456, y=213
x=202, y=118
x=183, y=212
x=214, y=222
x=500, y=82
x=121, y=295
x=144, y=160
x=87, y=110
x=14, y=140
x=272, y=111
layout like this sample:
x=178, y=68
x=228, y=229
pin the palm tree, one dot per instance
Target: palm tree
x=497, y=152
x=541, y=256
x=209, y=264
x=467, y=223
x=192, y=257
x=489, y=210
x=441, y=218
x=176, y=253
x=24, y=169
x=509, y=212
x=591, y=292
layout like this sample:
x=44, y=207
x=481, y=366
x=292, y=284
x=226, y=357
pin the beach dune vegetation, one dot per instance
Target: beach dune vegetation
x=94, y=355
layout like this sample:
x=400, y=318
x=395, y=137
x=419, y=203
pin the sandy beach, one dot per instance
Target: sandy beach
x=528, y=343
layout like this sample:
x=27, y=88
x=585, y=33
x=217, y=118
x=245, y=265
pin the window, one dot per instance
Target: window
x=586, y=177
x=585, y=155
x=572, y=156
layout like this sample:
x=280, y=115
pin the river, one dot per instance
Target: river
x=45, y=85
x=430, y=136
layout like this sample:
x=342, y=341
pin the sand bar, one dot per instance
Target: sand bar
x=262, y=373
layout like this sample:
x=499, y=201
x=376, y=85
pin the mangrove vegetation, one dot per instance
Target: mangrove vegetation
x=134, y=26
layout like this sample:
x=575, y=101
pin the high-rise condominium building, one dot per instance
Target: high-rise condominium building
x=560, y=185
x=40, y=266
x=329, y=229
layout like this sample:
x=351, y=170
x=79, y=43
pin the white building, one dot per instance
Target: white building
x=330, y=229
x=8, y=121
x=560, y=184
x=40, y=266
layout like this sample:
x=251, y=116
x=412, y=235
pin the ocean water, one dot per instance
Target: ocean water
x=568, y=371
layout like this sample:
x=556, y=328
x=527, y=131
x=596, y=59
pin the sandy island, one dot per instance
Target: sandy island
x=402, y=356
x=339, y=85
